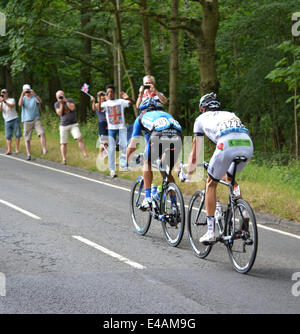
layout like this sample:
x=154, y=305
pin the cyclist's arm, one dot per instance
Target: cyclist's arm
x=194, y=156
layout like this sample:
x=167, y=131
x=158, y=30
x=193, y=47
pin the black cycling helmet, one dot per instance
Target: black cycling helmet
x=209, y=102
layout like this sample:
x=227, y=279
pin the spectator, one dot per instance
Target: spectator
x=12, y=125
x=115, y=118
x=148, y=90
x=29, y=101
x=65, y=109
x=102, y=123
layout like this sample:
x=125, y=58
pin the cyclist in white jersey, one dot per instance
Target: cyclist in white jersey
x=231, y=137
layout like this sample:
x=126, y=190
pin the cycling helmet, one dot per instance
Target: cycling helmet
x=209, y=102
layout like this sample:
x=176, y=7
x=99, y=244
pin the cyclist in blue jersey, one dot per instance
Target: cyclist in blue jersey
x=163, y=141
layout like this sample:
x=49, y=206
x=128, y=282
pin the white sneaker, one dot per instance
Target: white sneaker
x=208, y=237
x=146, y=204
x=113, y=174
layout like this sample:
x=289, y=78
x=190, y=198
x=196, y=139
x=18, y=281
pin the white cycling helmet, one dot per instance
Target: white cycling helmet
x=209, y=102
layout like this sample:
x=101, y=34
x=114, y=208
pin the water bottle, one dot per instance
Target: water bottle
x=158, y=192
x=153, y=190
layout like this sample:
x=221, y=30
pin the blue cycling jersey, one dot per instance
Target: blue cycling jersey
x=154, y=121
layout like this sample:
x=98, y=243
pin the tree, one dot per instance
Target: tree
x=289, y=72
x=203, y=31
x=146, y=39
x=174, y=62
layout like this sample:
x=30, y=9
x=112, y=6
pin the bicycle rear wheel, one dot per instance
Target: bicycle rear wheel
x=243, y=247
x=172, y=214
x=141, y=219
x=197, y=225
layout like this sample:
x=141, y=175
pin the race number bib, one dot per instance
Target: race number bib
x=161, y=123
x=231, y=123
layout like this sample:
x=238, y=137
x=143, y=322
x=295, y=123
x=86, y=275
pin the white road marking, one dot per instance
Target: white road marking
x=25, y=212
x=270, y=229
x=123, y=188
x=279, y=231
x=67, y=173
x=110, y=253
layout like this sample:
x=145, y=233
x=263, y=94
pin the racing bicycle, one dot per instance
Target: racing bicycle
x=171, y=214
x=236, y=226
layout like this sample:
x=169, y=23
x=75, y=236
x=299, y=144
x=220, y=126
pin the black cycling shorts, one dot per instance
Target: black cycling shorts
x=164, y=145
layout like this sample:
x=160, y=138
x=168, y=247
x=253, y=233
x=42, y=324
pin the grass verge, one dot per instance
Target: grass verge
x=270, y=188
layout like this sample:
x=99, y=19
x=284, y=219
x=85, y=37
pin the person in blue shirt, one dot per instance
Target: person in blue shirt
x=163, y=141
x=29, y=101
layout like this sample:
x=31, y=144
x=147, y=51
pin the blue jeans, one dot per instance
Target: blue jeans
x=112, y=136
x=13, y=127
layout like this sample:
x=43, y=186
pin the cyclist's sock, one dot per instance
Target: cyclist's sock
x=211, y=223
x=173, y=200
x=148, y=192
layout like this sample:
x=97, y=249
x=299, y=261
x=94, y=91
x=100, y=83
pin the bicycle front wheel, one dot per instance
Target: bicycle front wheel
x=141, y=219
x=242, y=248
x=197, y=225
x=172, y=214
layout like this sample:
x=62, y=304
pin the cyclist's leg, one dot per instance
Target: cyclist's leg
x=170, y=156
x=218, y=166
x=246, y=151
x=147, y=174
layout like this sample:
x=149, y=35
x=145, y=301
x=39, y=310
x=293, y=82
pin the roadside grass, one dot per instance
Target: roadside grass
x=269, y=187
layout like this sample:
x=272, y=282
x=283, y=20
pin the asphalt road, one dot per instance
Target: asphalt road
x=74, y=250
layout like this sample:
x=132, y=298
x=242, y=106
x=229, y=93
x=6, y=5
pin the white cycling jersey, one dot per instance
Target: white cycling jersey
x=215, y=124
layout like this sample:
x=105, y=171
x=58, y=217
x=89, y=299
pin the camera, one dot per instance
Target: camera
x=27, y=92
x=60, y=97
x=147, y=87
x=102, y=94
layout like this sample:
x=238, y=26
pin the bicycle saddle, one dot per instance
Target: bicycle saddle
x=239, y=159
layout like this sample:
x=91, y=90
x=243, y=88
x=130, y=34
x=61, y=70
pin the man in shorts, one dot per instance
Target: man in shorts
x=231, y=137
x=10, y=115
x=65, y=109
x=30, y=101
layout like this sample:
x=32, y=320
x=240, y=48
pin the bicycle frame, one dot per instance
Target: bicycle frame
x=156, y=208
